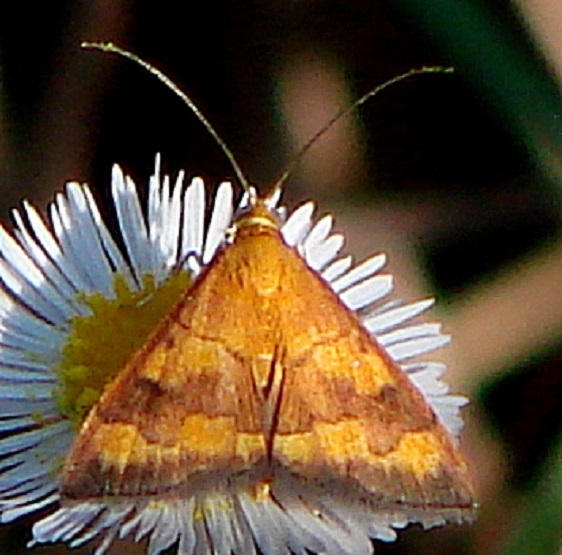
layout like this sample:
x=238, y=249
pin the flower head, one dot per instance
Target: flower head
x=77, y=303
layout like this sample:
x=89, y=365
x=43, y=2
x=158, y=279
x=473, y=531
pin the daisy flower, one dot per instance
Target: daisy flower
x=76, y=303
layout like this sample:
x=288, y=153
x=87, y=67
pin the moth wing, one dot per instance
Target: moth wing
x=348, y=417
x=181, y=415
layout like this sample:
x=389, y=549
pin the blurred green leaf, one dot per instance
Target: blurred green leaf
x=540, y=530
x=496, y=56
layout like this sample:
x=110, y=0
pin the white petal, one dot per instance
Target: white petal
x=86, y=242
x=114, y=254
x=388, y=319
x=268, y=540
x=164, y=223
x=221, y=525
x=165, y=533
x=131, y=223
x=337, y=268
x=32, y=438
x=11, y=514
x=26, y=281
x=22, y=371
x=360, y=272
x=409, y=332
x=194, y=218
x=69, y=236
x=52, y=246
x=366, y=292
x=273, y=199
x=221, y=218
x=318, y=234
x=297, y=225
x=22, y=321
x=418, y=346
x=188, y=535
x=41, y=259
x=323, y=253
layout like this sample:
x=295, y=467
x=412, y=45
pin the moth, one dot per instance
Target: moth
x=273, y=409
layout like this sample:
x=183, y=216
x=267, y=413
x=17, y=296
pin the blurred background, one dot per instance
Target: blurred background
x=456, y=176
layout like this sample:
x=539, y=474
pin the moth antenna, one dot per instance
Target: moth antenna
x=343, y=113
x=112, y=48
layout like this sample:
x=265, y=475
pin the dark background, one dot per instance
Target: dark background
x=456, y=176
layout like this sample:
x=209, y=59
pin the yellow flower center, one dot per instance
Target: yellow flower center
x=99, y=345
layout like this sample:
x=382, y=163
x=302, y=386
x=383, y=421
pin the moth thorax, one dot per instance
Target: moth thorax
x=259, y=216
